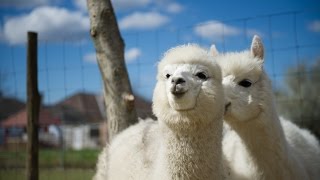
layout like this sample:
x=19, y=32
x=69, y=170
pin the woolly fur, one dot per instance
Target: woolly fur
x=305, y=146
x=182, y=144
x=255, y=147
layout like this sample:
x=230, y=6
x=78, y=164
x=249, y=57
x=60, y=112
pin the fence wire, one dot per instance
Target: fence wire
x=73, y=128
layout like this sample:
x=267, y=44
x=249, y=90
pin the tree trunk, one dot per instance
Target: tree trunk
x=109, y=46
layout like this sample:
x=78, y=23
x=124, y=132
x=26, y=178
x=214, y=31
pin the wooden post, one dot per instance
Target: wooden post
x=33, y=106
x=109, y=46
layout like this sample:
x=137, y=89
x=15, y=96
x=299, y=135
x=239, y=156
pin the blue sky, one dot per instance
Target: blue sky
x=290, y=30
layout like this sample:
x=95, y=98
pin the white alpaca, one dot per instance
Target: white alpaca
x=305, y=145
x=256, y=147
x=185, y=142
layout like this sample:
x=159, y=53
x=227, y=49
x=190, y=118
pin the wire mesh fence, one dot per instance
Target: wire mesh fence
x=72, y=120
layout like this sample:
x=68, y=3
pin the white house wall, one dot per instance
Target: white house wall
x=78, y=137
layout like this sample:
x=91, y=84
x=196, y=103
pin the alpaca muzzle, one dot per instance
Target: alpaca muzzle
x=178, y=86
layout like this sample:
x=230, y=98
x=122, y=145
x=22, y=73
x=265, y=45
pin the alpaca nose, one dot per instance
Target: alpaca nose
x=177, y=80
x=178, y=86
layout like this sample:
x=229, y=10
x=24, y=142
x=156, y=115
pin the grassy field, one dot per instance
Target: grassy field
x=51, y=158
x=77, y=165
x=50, y=174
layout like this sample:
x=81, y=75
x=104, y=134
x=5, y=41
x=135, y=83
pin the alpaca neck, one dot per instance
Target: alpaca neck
x=195, y=155
x=264, y=139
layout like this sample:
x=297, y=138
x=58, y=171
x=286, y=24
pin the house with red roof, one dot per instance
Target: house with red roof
x=76, y=122
x=81, y=116
x=15, y=128
x=20, y=119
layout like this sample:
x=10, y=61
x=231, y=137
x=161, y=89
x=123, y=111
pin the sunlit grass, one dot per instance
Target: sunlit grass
x=51, y=158
x=50, y=174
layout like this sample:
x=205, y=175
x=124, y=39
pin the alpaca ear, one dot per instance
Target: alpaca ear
x=257, y=49
x=213, y=50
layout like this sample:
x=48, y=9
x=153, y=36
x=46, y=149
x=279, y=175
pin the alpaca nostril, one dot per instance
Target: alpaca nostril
x=178, y=80
x=227, y=106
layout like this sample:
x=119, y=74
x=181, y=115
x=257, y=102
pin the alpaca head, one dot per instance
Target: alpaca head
x=188, y=87
x=245, y=83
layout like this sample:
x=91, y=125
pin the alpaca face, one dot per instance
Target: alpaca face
x=244, y=82
x=183, y=83
x=189, y=83
x=243, y=95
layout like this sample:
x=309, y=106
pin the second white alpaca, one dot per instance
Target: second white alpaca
x=256, y=146
x=305, y=146
x=185, y=142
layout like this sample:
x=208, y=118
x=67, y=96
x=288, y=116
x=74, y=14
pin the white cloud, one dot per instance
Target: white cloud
x=214, y=30
x=140, y=21
x=81, y=4
x=166, y=5
x=314, y=26
x=162, y=2
x=23, y=3
x=90, y=57
x=129, y=4
x=174, y=8
x=132, y=54
x=51, y=23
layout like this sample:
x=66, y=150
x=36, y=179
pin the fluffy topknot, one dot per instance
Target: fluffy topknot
x=190, y=54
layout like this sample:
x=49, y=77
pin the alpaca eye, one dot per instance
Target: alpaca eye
x=167, y=76
x=245, y=83
x=201, y=75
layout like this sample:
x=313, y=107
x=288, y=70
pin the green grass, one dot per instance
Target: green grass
x=50, y=174
x=51, y=158
x=78, y=164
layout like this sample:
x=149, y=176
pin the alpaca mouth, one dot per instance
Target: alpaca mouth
x=178, y=91
x=182, y=101
x=178, y=94
x=183, y=109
